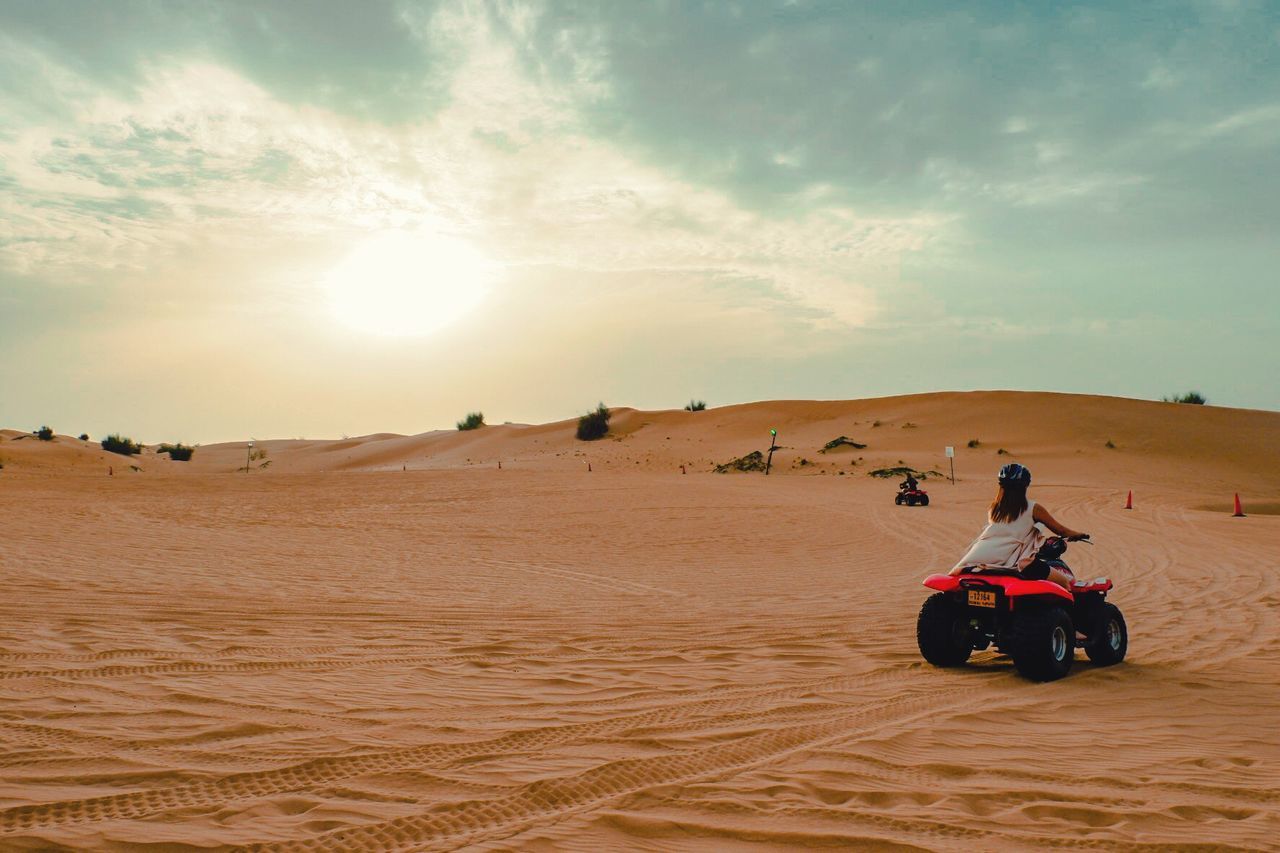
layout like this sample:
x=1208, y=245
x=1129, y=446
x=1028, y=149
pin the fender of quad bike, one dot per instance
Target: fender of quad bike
x=1013, y=587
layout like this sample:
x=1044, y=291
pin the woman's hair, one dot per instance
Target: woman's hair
x=1010, y=502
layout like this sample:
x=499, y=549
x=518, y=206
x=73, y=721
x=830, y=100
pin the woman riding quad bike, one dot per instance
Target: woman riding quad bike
x=1011, y=588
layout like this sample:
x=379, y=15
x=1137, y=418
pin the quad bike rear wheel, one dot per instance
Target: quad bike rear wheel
x=1043, y=643
x=942, y=631
x=1108, y=635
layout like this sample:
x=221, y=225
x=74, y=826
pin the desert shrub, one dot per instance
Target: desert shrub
x=84, y=436
x=1002, y=452
x=841, y=441
x=115, y=443
x=909, y=425
x=973, y=442
x=753, y=461
x=1193, y=397
x=258, y=453
x=696, y=406
x=898, y=471
x=45, y=433
x=594, y=425
x=473, y=420
x=903, y=471
x=177, y=452
x=1111, y=445
x=875, y=423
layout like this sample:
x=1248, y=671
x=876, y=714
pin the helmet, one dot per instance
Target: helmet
x=1014, y=474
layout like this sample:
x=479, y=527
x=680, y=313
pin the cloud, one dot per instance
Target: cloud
x=196, y=153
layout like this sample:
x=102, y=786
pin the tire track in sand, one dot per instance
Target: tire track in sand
x=323, y=771
x=488, y=820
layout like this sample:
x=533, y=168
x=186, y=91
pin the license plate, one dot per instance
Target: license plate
x=979, y=598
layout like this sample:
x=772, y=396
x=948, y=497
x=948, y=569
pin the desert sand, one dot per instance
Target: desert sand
x=389, y=642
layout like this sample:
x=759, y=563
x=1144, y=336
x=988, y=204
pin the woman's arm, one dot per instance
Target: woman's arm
x=1041, y=515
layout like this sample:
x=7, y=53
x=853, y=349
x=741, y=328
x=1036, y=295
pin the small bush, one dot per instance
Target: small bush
x=473, y=420
x=909, y=425
x=1195, y=398
x=116, y=443
x=973, y=442
x=84, y=436
x=45, y=433
x=901, y=471
x=177, y=452
x=841, y=441
x=1002, y=452
x=875, y=423
x=753, y=461
x=696, y=406
x=594, y=425
x=1111, y=445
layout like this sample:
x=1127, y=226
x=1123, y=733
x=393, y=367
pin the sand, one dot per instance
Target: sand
x=388, y=642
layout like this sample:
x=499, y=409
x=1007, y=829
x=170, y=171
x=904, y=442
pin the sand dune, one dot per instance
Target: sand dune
x=388, y=643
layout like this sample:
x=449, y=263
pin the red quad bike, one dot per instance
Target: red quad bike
x=912, y=497
x=1035, y=622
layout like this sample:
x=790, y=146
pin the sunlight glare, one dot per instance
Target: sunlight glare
x=408, y=283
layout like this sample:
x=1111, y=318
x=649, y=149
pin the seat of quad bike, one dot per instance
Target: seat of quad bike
x=1095, y=585
x=999, y=573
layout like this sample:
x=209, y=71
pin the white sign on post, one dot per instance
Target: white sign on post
x=951, y=453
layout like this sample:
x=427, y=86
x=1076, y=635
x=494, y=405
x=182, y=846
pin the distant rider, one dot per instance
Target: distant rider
x=1011, y=540
x=909, y=484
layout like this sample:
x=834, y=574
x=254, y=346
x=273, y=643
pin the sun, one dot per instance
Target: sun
x=406, y=283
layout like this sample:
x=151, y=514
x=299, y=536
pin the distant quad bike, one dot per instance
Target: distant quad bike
x=912, y=497
x=1035, y=622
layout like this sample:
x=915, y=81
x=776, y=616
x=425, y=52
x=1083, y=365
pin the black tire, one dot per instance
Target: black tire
x=1043, y=642
x=941, y=631
x=897, y=499
x=1108, y=635
x=924, y=500
x=911, y=501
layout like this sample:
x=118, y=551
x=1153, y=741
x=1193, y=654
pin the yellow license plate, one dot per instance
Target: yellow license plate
x=978, y=598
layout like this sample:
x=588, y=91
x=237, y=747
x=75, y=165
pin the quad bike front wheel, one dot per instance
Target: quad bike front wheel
x=897, y=499
x=924, y=500
x=1043, y=643
x=942, y=631
x=1108, y=635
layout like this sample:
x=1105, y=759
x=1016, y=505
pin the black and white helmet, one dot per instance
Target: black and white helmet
x=1014, y=474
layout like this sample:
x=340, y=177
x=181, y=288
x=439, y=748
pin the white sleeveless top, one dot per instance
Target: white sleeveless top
x=1005, y=544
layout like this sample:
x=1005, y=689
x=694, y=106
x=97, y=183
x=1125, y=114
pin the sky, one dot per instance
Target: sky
x=288, y=219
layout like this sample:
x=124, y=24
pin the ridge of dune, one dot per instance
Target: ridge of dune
x=1154, y=442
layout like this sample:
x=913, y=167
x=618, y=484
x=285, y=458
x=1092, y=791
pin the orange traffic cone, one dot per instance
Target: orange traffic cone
x=1128, y=504
x=1239, y=513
